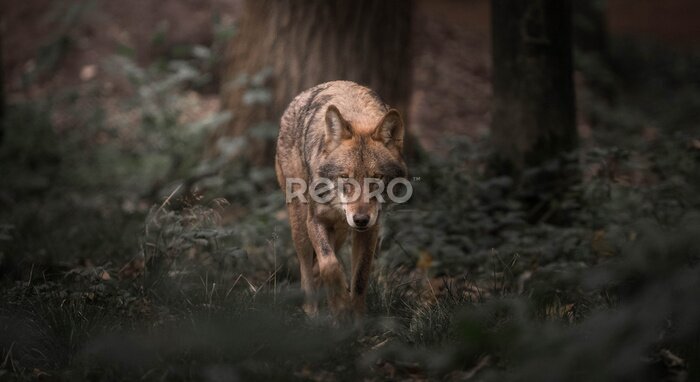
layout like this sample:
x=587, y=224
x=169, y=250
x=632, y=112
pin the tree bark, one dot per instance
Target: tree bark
x=285, y=46
x=534, y=112
x=2, y=83
x=591, y=43
x=590, y=31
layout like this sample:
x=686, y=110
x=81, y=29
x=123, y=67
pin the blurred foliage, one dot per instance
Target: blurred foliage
x=64, y=17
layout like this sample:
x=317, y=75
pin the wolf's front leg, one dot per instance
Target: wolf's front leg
x=364, y=246
x=331, y=272
x=305, y=254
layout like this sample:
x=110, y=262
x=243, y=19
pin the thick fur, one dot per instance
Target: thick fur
x=337, y=129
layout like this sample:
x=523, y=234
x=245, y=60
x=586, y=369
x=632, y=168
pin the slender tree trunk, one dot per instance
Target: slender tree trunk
x=285, y=46
x=534, y=112
x=591, y=43
x=3, y=110
x=590, y=31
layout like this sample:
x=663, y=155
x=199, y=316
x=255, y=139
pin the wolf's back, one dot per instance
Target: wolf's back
x=302, y=126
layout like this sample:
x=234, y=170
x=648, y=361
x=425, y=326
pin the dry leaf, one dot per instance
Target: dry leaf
x=425, y=261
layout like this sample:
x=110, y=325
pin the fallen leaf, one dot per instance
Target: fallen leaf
x=425, y=261
x=600, y=245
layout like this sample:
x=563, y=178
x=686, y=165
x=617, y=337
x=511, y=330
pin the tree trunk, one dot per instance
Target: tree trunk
x=534, y=112
x=2, y=83
x=591, y=43
x=284, y=47
x=590, y=31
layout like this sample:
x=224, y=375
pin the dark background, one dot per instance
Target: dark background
x=143, y=235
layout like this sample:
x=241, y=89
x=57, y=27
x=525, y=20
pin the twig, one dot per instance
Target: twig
x=167, y=200
x=233, y=286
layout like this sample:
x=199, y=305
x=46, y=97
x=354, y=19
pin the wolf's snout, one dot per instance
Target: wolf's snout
x=360, y=220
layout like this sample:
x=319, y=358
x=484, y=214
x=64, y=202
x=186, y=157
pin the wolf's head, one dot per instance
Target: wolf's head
x=361, y=161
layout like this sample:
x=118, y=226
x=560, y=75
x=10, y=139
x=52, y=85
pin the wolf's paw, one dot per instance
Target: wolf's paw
x=340, y=307
x=311, y=309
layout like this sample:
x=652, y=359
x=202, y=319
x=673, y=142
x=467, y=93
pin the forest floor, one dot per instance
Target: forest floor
x=112, y=272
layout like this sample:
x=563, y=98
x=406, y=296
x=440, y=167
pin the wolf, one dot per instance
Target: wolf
x=343, y=132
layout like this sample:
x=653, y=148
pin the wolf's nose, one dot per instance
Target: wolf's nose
x=361, y=220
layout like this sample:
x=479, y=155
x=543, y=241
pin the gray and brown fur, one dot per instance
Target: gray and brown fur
x=337, y=129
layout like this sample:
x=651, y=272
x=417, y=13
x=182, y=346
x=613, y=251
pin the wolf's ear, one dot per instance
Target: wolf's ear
x=390, y=130
x=337, y=128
